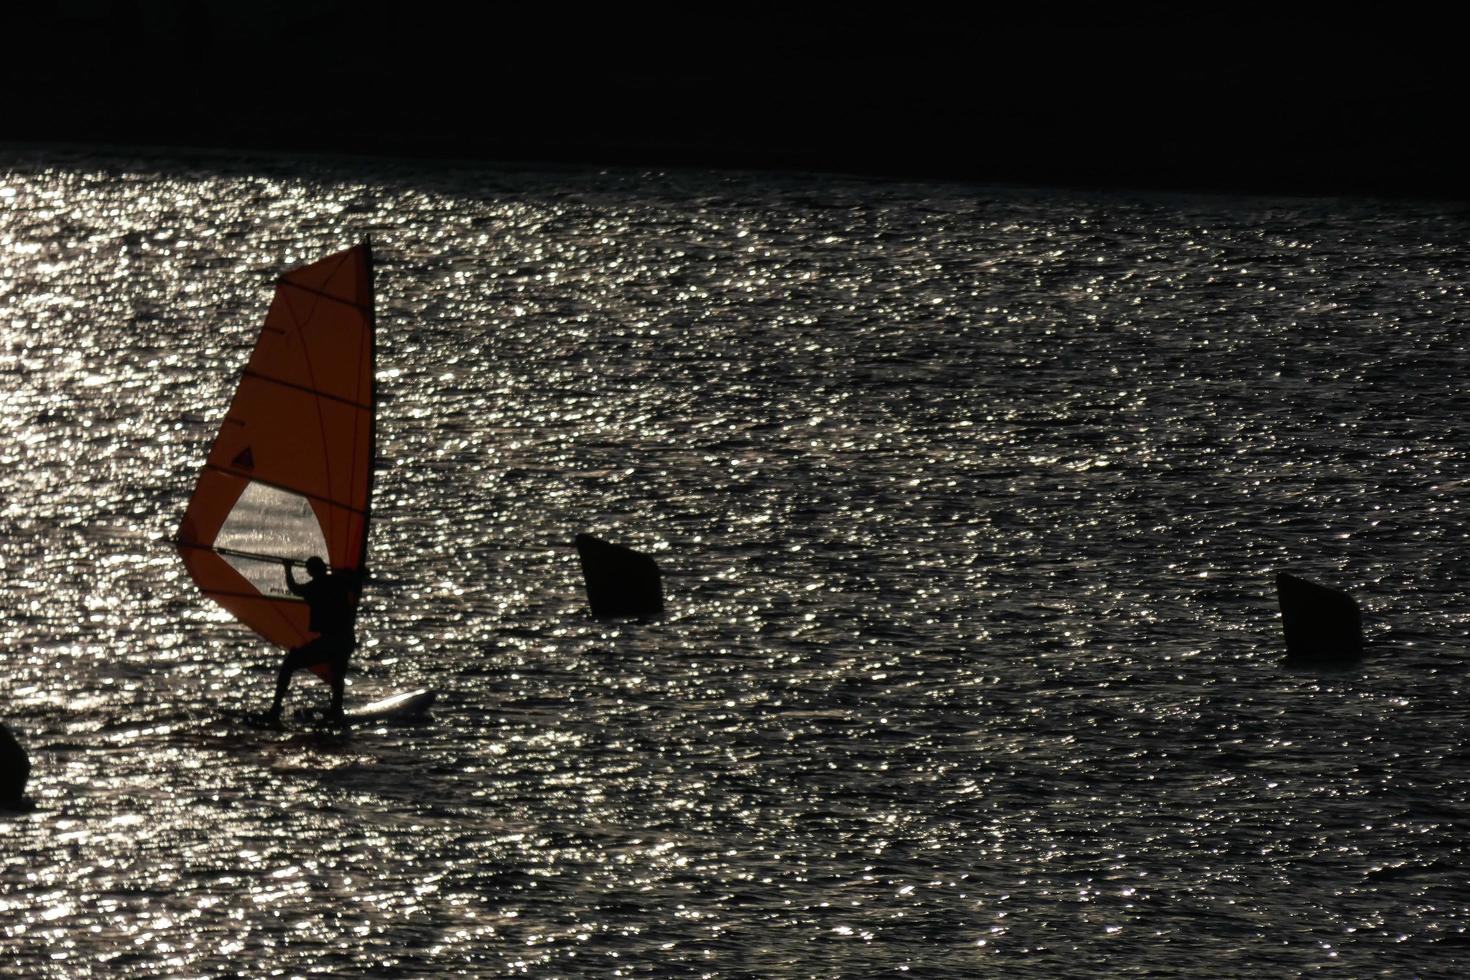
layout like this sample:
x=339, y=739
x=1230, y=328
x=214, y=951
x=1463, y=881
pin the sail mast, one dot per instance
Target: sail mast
x=372, y=400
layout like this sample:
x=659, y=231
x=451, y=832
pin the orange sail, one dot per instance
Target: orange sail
x=290, y=473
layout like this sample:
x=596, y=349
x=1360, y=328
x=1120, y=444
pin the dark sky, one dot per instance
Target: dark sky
x=1155, y=96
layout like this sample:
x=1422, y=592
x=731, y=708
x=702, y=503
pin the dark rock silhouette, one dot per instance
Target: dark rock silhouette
x=620, y=581
x=1322, y=625
x=15, y=769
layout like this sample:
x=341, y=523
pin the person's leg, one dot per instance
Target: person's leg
x=302, y=656
x=338, y=688
x=338, y=680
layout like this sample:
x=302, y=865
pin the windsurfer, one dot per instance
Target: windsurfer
x=329, y=595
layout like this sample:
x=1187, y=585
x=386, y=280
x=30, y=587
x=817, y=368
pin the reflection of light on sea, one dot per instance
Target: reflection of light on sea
x=963, y=655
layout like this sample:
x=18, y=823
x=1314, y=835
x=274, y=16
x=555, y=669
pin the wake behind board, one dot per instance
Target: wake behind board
x=409, y=704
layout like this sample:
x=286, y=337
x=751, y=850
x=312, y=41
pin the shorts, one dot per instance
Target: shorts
x=326, y=656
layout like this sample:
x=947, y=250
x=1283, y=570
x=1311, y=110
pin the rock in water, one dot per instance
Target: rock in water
x=15, y=769
x=620, y=581
x=1322, y=625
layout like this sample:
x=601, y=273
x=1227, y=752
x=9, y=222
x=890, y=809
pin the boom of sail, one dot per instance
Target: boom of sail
x=290, y=473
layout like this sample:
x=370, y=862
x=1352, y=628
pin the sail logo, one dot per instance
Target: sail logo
x=244, y=460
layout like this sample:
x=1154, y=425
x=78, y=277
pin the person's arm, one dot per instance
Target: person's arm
x=291, y=579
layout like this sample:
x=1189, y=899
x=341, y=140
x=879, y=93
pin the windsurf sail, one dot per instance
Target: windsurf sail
x=290, y=474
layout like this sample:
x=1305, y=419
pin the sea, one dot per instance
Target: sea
x=968, y=501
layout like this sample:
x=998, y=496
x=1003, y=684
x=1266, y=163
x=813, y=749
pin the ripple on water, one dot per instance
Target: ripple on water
x=968, y=502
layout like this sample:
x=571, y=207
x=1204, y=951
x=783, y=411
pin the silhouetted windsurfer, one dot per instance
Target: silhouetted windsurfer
x=329, y=595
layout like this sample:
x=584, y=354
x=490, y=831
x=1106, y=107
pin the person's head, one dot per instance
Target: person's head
x=315, y=567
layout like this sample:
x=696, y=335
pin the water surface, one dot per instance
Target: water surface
x=968, y=502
